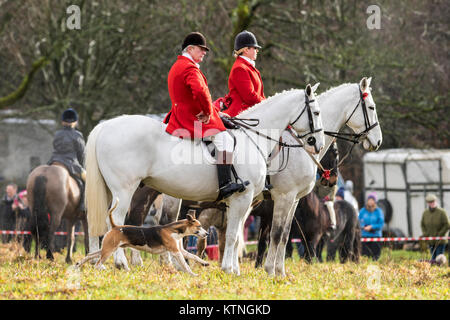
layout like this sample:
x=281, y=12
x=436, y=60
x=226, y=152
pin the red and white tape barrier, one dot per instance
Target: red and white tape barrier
x=382, y=239
x=58, y=233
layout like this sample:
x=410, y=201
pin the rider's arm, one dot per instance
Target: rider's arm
x=200, y=91
x=80, y=145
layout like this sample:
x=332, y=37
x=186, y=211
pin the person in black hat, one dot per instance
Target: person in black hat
x=68, y=149
x=245, y=82
x=193, y=116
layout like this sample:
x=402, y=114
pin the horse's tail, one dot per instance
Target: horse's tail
x=110, y=213
x=97, y=193
x=40, y=212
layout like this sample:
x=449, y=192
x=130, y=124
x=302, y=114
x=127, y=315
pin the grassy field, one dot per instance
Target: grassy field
x=397, y=275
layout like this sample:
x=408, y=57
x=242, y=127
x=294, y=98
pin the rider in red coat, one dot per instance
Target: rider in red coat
x=192, y=114
x=245, y=83
x=188, y=90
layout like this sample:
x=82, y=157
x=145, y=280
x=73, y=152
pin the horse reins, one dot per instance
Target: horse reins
x=358, y=137
x=241, y=122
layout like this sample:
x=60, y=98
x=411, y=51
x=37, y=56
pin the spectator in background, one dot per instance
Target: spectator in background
x=371, y=219
x=339, y=194
x=434, y=223
x=8, y=218
x=22, y=219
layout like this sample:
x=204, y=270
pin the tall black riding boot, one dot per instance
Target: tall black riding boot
x=81, y=205
x=226, y=186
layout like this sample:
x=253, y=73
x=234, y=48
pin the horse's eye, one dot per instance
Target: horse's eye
x=316, y=113
x=372, y=108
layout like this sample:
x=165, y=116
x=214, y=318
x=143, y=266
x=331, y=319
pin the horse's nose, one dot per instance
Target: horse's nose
x=379, y=143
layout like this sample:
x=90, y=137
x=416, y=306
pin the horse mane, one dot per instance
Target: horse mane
x=334, y=89
x=268, y=100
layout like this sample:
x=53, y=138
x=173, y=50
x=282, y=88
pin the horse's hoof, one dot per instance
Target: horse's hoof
x=280, y=273
x=270, y=271
x=136, y=261
x=227, y=270
x=100, y=267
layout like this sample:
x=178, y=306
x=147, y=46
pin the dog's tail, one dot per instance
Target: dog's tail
x=113, y=225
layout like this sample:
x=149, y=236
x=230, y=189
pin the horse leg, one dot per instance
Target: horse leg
x=86, y=235
x=70, y=240
x=94, y=246
x=331, y=248
x=346, y=251
x=281, y=251
x=235, y=221
x=136, y=259
x=289, y=247
x=221, y=234
x=283, y=210
x=204, y=219
x=262, y=241
x=319, y=249
x=168, y=212
x=54, y=224
x=119, y=215
x=201, y=246
x=314, y=245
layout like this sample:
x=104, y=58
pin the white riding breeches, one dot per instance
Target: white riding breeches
x=330, y=207
x=223, y=141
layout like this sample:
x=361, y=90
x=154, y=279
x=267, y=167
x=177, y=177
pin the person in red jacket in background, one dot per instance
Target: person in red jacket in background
x=245, y=83
x=193, y=115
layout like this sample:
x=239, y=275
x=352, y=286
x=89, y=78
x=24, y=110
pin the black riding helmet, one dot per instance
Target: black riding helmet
x=194, y=39
x=69, y=116
x=245, y=39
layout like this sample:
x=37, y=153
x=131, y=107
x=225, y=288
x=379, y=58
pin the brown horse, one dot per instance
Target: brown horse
x=53, y=195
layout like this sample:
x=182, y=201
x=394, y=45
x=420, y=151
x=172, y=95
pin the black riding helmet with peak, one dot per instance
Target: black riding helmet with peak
x=69, y=116
x=245, y=39
x=194, y=39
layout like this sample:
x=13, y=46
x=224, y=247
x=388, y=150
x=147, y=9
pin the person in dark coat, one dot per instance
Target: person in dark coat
x=68, y=149
x=434, y=223
x=7, y=215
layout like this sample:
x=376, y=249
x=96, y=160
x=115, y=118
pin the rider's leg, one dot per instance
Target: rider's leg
x=80, y=183
x=330, y=207
x=224, y=145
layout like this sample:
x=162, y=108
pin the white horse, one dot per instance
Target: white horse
x=340, y=106
x=348, y=104
x=122, y=152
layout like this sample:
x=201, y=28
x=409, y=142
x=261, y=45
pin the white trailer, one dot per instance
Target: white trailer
x=404, y=177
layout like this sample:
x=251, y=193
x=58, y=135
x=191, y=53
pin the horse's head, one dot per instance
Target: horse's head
x=364, y=120
x=308, y=123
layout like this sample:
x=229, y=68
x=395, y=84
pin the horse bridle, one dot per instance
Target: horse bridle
x=311, y=140
x=357, y=137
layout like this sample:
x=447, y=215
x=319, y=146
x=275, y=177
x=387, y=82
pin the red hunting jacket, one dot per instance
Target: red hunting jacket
x=189, y=93
x=246, y=87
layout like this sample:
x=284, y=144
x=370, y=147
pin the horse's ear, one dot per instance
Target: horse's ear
x=308, y=90
x=314, y=88
x=363, y=84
